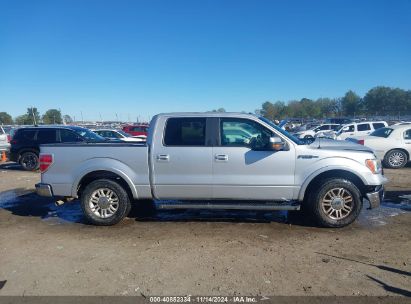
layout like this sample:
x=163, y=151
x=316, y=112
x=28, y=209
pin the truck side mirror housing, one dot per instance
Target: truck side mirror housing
x=276, y=144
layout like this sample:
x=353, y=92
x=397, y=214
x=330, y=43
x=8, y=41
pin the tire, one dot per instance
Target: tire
x=29, y=161
x=335, y=203
x=105, y=202
x=395, y=159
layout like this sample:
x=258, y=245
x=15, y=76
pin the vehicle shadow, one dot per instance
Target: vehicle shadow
x=11, y=166
x=147, y=211
x=397, y=197
x=20, y=202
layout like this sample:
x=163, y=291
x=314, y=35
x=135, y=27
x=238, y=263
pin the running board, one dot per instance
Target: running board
x=230, y=206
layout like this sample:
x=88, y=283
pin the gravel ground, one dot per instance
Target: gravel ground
x=48, y=250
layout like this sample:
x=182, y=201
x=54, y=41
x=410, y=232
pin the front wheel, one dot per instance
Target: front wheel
x=335, y=203
x=105, y=202
x=395, y=159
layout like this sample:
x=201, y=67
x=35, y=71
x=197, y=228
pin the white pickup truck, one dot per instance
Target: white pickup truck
x=214, y=160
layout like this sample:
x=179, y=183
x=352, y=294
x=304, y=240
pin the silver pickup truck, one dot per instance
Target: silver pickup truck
x=214, y=160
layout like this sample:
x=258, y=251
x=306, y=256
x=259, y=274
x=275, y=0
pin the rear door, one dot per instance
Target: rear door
x=181, y=159
x=240, y=172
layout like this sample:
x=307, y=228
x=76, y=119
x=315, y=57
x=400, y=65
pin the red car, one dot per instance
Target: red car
x=136, y=130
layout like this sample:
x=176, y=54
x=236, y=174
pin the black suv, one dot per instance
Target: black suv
x=25, y=145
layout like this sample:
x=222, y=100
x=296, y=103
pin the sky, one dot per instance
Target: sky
x=137, y=58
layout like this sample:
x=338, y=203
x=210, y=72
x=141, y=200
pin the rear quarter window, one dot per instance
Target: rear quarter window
x=363, y=127
x=28, y=135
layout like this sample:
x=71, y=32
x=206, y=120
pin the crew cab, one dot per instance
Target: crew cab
x=214, y=161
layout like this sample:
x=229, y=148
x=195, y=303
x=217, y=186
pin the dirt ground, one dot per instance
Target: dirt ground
x=48, y=250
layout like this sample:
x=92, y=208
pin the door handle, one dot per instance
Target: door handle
x=221, y=157
x=163, y=157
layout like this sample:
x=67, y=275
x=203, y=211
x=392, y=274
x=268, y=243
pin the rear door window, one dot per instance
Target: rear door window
x=407, y=134
x=363, y=127
x=378, y=125
x=47, y=136
x=185, y=132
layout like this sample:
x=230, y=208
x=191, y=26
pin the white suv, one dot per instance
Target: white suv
x=4, y=140
x=359, y=129
x=317, y=131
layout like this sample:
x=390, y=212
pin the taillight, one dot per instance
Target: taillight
x=45, y=162
x=361, y=141
x=8, y=138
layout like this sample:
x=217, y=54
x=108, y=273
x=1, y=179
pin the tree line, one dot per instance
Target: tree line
x=33, y=117
x=378, y=101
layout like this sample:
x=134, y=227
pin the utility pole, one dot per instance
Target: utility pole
x=34, y=117
x=82, y=119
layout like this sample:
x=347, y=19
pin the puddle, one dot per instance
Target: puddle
x=22, y=202
x=379, y=216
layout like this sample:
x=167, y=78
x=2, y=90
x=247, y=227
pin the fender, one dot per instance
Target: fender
x=334, y=163
x=104, y=164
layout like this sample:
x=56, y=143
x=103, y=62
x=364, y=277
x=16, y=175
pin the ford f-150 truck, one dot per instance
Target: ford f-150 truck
x=214, y=160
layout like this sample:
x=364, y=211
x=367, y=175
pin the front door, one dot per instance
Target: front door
x=244, y=167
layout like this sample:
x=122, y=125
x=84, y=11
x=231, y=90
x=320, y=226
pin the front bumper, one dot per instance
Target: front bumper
x=375, y=198
x=44, y=190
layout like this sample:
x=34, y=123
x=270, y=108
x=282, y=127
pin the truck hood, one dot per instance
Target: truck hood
x=330, y=144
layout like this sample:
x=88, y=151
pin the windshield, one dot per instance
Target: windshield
x=89, y=135
x=382, y=132
x=292, y=137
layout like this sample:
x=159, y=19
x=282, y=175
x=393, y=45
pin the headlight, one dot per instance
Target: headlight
x=374, y=165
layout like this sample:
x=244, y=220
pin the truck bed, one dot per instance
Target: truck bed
x=72, y=161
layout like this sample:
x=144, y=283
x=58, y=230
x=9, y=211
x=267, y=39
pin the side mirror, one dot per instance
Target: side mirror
x=276, y=144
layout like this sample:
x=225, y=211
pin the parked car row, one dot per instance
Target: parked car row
x=390, y=144
x=25, y=143
x=119, y=135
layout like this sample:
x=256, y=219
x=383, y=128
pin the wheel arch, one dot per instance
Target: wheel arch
x=401, y=149
x=315, y=180
x=24, y=150
x=104, y=174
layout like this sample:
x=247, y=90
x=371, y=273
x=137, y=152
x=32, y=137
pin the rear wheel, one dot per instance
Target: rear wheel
x=335, y=203
x=395, y=159
x=29, y=161
x=105, y=202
